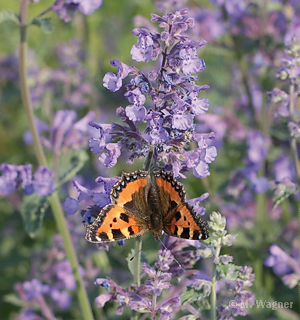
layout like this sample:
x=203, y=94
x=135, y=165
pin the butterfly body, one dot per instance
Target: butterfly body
x=143, y=203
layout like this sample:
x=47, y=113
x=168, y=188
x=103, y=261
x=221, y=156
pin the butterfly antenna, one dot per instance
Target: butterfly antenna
x=135, y=255
x=179, y=265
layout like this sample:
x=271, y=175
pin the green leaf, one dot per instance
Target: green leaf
x=45, y=24
x=9, y=15
x=286, y=192
x=130, y=260
x=13, y=299
x=33, y=211
x=191, y=295
x=227, y=271
x=69, y=165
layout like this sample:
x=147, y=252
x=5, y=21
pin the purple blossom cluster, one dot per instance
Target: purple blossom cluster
x=64, y=133
x=143, y=299
x=284, y=265
x=174, y=101
x=13, y=175
x=244, y=299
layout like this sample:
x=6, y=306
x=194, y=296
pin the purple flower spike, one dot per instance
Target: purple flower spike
x=43, y=183
x=64, y=273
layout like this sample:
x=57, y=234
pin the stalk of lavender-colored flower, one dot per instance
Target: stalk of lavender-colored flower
x=53, y=198
x=213, y=296
x=294, y=149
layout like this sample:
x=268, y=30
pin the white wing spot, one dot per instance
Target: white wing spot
x=98, y=238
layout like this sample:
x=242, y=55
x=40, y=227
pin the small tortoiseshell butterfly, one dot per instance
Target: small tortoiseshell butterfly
x=141, y=203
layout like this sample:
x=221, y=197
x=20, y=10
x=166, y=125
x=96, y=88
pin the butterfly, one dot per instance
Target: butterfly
x=142, y=202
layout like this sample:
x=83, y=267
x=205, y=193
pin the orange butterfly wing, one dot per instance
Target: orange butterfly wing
x=123, y=219
x=114, y=223
x=179, y=217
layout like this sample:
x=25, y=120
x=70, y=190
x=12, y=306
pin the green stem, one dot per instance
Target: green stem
x=293, y=142
x=137, y=260
x=294, y=149
x=213, y=295
x=39, y=152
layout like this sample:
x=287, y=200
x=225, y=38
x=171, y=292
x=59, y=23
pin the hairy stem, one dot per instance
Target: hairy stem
x=39, y=152
x=294, y=149
x=213, y=295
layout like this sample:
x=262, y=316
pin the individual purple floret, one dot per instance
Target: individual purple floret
x=66, y=8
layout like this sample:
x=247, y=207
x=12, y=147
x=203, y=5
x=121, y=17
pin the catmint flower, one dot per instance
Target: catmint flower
x=110, y=158
x=100, y=197
x=281, y=262
x=8, y=178
x=281, y=101
x=34, y=288
x=138, y=298
x=88, y=6
x=66, y=8
x=114, y=82
x=257, y=147
x=143, y=50
x=190, y=62
x=71, y=205
x=174, y=97
x=42, y=184
x=62, y=298
x=65, y=132
x=217, y=222
x=283, y=169
x=137, y=112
